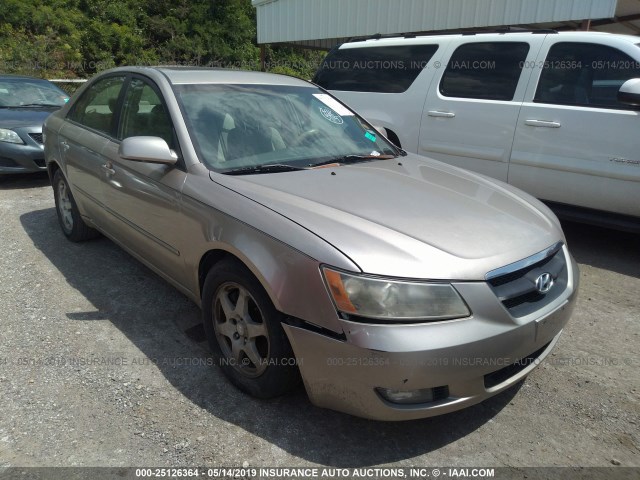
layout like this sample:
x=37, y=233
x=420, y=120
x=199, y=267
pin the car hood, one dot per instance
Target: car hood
x=410, y=217
x=24, y=117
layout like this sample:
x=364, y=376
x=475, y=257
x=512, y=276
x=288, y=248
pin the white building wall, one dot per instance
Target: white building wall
x=300, y=20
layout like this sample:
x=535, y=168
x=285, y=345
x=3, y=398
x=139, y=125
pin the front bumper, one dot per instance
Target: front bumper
x=28, y=157
x=474, y=358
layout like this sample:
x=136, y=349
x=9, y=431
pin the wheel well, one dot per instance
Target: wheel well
x=208, y=261
x=391, y=135
x=52, y=168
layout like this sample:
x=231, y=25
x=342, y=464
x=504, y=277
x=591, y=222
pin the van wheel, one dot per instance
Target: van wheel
x=69, y=216
x=391, y=135
x=245, y=332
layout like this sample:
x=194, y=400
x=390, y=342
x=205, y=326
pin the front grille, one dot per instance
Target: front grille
x=516, y=288
x=37, y=137
x=504, y=374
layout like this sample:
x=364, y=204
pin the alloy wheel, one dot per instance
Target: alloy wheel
x=65, y=206
x=241, y=330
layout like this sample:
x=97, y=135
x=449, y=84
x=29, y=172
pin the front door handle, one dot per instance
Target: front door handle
x=439, y=114
x=107, y=167
x=542, y=123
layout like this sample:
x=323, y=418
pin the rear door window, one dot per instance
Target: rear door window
x=374, y=69
x=485, y=70
x=96, y=107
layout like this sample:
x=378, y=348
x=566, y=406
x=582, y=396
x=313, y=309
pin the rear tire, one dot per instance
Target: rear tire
x=69, y=216
x=245, y=332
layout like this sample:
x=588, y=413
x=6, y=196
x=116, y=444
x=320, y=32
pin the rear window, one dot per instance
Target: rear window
x=374, y=69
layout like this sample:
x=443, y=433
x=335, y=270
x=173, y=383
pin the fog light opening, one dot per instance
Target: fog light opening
x=413, y=397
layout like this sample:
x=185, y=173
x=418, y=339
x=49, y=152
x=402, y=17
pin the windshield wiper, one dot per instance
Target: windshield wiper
x=350, y=159
x=257, y=169
x=35, y=105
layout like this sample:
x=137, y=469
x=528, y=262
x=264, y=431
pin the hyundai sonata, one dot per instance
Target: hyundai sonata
x=394, y=286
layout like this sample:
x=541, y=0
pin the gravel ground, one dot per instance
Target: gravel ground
x=103, y=364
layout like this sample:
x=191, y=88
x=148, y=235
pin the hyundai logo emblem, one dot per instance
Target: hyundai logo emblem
x=544, y=283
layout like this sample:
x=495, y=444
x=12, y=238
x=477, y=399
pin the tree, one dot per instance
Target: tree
x=77, y=38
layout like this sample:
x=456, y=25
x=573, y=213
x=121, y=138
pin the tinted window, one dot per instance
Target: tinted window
x=144, y=113
x=487, y=71
x=374, y=69
x=585, y=74
x=95, y=108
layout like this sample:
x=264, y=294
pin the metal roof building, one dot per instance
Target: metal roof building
x=325, y=23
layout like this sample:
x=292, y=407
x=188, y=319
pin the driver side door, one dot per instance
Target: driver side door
x=143, y=199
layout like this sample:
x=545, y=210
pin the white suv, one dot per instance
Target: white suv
x=556, y=114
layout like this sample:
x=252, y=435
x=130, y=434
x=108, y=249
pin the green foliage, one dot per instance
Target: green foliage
x=77, y=38
x=39, y=38
x=293, y=61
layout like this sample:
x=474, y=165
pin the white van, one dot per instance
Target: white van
x=555, y=114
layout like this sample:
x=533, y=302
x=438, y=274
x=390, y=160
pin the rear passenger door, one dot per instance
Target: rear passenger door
x=575, y=143
x=83, y=137
x=473, y=104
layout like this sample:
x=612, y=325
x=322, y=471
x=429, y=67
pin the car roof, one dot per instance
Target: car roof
x=191, y=75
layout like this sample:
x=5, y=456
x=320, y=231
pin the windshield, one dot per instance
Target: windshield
x=248, y=126
x=27, y=93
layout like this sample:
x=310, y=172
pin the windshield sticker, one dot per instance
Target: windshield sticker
x=370, y=136
x=331, y=116
x=334, y=105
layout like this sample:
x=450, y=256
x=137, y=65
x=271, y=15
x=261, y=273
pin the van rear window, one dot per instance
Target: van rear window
x=374, y=69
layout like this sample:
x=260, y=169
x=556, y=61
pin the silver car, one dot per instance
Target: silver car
x=394, y=286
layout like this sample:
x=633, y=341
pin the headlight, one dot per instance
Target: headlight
x=392, y=299
x=9, y=136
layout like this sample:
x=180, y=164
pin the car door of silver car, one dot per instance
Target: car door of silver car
x=143, y=198
x=82, y=139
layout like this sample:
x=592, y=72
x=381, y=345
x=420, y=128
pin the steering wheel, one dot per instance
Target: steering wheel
x=308, y=137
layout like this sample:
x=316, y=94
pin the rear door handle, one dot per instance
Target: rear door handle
x=107, y=168
x=542, y=123
x=439, y=114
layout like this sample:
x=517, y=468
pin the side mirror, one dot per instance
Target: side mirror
x=629, y=92
x=147, y=149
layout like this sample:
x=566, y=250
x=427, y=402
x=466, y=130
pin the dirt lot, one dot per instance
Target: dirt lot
x=103, y=363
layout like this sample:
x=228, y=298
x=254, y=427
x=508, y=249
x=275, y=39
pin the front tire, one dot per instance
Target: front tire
x=245, y=332
x=69, y=216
